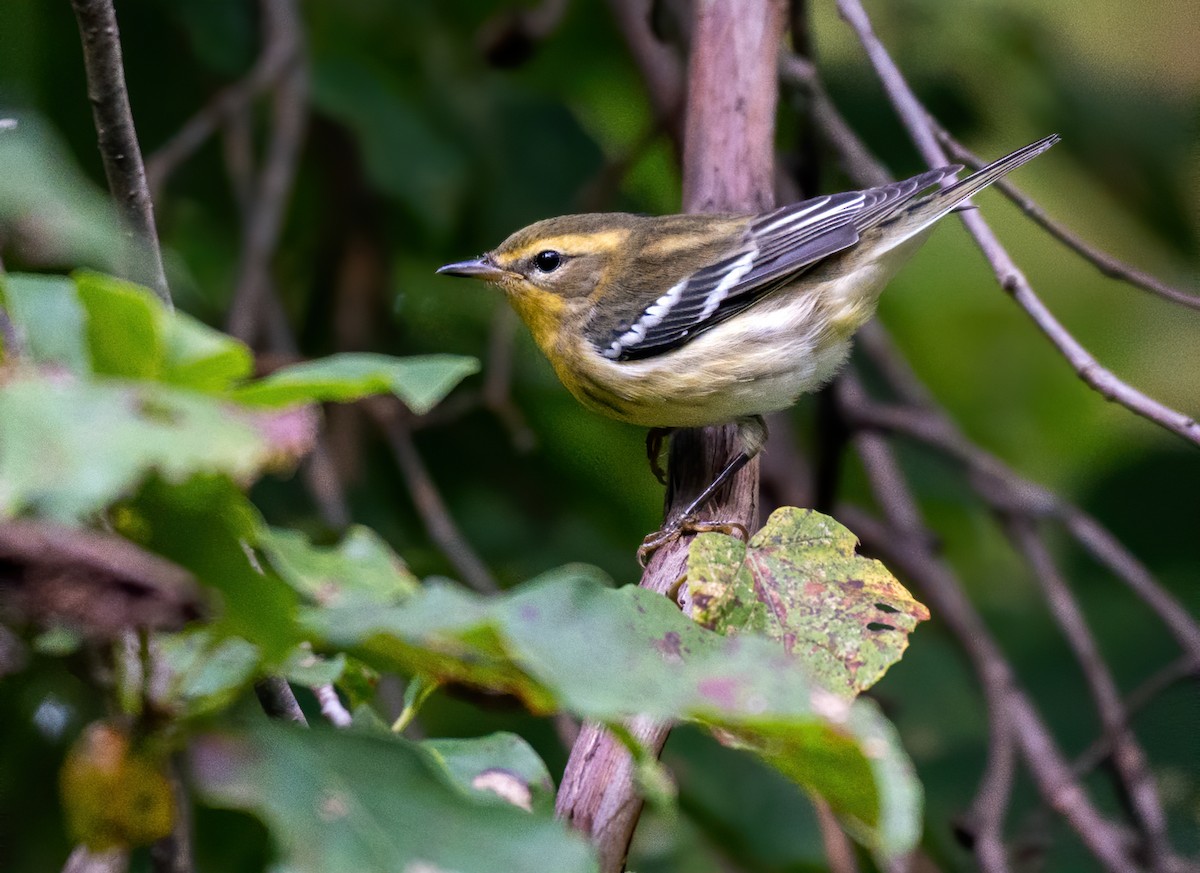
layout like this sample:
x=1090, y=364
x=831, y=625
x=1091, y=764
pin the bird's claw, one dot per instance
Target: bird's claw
x=655, y=438
x=677, y=527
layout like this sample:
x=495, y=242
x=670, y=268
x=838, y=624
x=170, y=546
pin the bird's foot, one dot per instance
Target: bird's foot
x=656, y=438
x=677, y=527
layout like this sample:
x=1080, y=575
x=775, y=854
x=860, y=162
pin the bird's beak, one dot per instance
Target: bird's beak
x=476, y=268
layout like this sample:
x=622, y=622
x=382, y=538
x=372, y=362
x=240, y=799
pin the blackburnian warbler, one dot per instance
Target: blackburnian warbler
x=690, y=320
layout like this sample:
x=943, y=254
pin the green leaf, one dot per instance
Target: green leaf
x=69, y=448
x=304, y=667
x=564, y=641
x=501, y=767
x=205, y=674
x=201, y=358
x=344, y=802
x=361, y=569
x=209, y=527
x=799, y=581
x=48, y=316
x=421, y=381
x=124, y=326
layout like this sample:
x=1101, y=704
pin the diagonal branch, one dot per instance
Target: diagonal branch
x=921, y=131
x=118, y=141
x=1128, y=757
x=1102, y=261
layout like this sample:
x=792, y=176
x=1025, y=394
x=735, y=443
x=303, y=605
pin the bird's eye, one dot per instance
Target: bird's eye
x=547, y=261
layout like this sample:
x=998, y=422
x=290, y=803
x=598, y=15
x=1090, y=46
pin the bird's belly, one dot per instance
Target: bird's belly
x=760, y=361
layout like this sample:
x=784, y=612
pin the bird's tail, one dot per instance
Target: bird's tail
x=929, y=209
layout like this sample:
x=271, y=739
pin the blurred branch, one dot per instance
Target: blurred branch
x=278, y=700
x=280, y=50
x=173, y=853
x=939, y=587
x=658, y=63
x=854, y=156
x=511, y=36
x=331, y=706
x=265, y=214
x=1181, y=668
x=728, y=165
x=429, y=503
x=1102, y=261
x=1128, y=758
x=118, y=141
x=916, y=119
x=1003, y=489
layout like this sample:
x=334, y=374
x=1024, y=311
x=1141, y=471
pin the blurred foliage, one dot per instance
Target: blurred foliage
x=419, y=152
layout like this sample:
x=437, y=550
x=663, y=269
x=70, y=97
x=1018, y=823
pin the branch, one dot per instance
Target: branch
x=916, y=120
x=429, y=503
x=728, y=165
x=1006, y=491
x=1128, y=757
x=1102, y=261
x=267, y=205
x=118, y=139
x=279, y=52
x=904, y=544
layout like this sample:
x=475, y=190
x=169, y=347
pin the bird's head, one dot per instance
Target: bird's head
x=551, y=270
x=564, y=257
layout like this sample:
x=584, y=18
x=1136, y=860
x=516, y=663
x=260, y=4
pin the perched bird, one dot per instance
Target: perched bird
x=690, y=320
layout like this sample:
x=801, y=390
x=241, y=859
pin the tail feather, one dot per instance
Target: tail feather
x=940, y=202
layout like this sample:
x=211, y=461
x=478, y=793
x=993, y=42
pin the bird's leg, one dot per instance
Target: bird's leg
x=752, y=433
x=656, y=437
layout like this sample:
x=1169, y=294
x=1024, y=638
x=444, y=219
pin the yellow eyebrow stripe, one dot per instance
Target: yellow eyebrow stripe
x=574, y=243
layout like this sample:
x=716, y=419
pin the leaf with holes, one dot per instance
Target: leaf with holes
x=799, y=581
x=566, y=641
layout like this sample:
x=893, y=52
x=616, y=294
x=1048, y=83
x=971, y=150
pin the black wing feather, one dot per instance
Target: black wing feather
x=776, y=247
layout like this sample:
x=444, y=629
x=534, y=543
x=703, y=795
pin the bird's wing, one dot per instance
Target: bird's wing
x=776, y=247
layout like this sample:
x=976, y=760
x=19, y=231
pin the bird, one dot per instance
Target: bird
x=692, y=320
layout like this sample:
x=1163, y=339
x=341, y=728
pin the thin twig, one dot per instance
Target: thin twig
x=985, y=818
x=839, y=851
x=118, y=141
x=1007, y=492
x=331, y=706
x=268, y=205
x=428, y=500
x=905, y=544
x=659, y=64
x=1109, y=266
x=278, y=52
x=916, y=119
x=1128, y=757
x=937, y=584
x=1181, y=668
x=856, y=159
